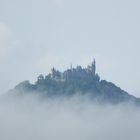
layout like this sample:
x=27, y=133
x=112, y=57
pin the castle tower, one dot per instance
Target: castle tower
x=93, y=67
x=53, y=74
x=71, y=67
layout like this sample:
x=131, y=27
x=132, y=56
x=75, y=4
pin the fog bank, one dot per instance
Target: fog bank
x=77, y=118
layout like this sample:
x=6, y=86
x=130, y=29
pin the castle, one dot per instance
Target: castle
x=73, y=73
x=77, y=72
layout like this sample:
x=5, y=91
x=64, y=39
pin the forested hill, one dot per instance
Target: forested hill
x=82, y=81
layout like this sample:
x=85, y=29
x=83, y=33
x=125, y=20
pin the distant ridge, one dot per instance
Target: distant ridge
x=84, y=81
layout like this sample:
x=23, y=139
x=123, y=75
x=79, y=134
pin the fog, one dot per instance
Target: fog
x=76, y=118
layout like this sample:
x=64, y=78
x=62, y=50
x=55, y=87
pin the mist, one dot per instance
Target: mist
x=76, y=118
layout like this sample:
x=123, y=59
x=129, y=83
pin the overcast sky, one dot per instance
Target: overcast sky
x=36, y=35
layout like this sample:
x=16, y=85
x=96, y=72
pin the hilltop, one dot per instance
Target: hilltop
x=82, y=81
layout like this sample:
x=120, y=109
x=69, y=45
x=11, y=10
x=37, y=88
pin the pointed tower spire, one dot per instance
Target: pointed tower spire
x=71, y=66
x=93, y=66
x=94, y=62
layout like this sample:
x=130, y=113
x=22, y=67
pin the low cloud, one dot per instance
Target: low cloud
x=76, y=118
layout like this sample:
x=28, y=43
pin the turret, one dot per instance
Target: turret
x=40, y=77
x=53, y=74
x=93, y=67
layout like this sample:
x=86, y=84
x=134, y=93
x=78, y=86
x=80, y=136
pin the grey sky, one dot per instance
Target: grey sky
x=36, y=35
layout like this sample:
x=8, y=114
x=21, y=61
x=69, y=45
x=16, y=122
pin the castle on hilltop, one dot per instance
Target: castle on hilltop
x=73, y=81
